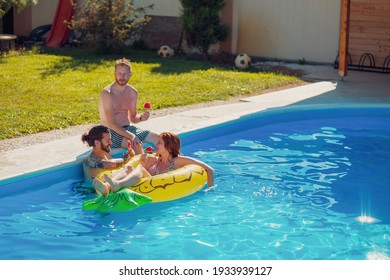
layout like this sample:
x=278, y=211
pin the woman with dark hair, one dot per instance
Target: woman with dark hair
x=167, y=158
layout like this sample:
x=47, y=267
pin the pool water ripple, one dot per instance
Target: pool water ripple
x=284, y=190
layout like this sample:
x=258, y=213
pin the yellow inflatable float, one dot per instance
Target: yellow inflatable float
x=172, y=185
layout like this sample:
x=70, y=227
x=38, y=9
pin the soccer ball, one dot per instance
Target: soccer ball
x=165, y=51
x=243, y=61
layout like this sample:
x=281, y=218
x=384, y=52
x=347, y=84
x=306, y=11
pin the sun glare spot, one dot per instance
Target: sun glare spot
x=364, y=219
x=377, y=256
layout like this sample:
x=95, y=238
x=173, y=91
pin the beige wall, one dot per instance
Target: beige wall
x=287, y=29
x=43, y=13
x=34, y=16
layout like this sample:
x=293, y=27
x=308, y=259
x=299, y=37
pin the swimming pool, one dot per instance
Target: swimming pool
x=303, y=183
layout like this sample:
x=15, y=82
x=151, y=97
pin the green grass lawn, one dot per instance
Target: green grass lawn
x=50, y=89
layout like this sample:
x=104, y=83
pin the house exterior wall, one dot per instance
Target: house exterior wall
x=162, y=30
x=22, y=22
x=165, y=27
x=40, y=14
x=288, y=30
x=43, y=12
x=273, y=29
x=277, y=29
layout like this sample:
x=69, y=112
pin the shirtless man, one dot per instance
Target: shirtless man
x=99, y=138
x=118, y=109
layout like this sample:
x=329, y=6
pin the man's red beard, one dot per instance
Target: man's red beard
x=121, y=82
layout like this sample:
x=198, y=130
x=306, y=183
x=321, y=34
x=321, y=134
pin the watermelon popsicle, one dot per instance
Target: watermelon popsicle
x=147, y=106
x=129, y=152
x=149, y=150
x=129, y=148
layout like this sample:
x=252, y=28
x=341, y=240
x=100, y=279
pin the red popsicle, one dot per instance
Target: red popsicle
x=149, y=150
x=147, y=106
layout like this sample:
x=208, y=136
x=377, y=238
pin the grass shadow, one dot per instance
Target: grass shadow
x=76, y=59
x=184, y=64
x=82, y=59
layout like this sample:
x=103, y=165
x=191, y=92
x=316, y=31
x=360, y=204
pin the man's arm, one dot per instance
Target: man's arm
x=133, y=113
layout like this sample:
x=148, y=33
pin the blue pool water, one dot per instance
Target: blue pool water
x=311, y=184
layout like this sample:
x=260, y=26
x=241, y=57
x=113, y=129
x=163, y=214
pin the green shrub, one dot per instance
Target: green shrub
x=202, y=24
x=109, y=25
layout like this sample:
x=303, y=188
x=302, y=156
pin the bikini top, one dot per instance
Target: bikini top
x=154, y=171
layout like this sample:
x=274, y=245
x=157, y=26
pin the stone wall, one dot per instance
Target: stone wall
x=162, y=30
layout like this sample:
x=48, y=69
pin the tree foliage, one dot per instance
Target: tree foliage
x=108, y=24
x=202, y=24
x=6, y=5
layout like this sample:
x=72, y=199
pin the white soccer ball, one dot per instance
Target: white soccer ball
x=243, y=61
x=165, y=51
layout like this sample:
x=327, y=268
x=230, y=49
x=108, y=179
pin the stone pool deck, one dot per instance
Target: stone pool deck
x=325, y=88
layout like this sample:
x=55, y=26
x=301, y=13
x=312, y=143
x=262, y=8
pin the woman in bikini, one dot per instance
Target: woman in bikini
x=167, y=158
